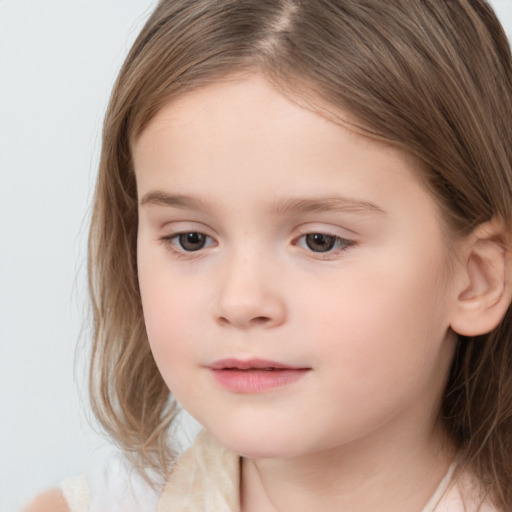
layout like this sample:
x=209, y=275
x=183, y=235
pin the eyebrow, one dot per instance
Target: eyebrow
x=161, y=198
x=326, y=204
x=281, y=207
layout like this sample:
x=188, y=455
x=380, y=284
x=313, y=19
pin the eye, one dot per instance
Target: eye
x=323, y=242
x=189, y=242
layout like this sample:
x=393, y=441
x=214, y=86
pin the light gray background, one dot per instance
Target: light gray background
x=58, y=61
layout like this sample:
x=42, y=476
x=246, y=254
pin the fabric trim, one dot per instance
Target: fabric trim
x=439, y=493
x=205, y=478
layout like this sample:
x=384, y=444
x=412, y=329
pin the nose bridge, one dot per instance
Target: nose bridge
x=248, y=294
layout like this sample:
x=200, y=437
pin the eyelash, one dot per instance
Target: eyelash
x=340, y=244
x=172, y=244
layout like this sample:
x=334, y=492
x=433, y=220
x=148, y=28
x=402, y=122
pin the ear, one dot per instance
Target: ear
x=486, y=292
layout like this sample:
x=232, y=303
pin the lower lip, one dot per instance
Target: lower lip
x=257, y=381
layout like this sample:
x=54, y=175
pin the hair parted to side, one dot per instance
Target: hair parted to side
x=431, y=77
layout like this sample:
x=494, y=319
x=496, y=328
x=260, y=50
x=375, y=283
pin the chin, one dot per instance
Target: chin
x=255, y=450
x=258, y=443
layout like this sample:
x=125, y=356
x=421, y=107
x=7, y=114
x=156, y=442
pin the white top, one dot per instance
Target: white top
x=110, y=486
x=208, y=474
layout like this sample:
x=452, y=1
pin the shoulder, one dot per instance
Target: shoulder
x=51, y=500
x=111, y=484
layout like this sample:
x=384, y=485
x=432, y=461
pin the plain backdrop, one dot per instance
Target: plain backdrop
x=58, y=61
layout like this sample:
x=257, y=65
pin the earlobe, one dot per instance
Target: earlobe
x=487, y=292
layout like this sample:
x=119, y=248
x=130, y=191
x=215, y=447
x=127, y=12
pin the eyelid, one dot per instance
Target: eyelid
x=344, y=241
x=311, y=229
x=170, y=241
x=326, y=229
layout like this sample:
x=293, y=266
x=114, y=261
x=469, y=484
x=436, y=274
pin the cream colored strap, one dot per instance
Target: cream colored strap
x=439, y=494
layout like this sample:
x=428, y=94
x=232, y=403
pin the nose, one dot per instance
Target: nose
x=249, y=295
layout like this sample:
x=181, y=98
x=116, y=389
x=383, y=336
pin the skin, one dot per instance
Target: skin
x=51, y=500
x=370, y=319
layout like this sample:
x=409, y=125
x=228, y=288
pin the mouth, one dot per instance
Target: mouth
x=254, y=375
x=251, y=364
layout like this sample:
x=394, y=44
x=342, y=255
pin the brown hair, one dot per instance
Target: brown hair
x=431, y=77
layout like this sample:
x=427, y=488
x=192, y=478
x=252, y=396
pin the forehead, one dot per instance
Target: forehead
x=243, y=110
x=246, y=135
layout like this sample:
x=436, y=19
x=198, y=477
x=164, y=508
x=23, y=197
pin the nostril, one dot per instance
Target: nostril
x=223, y=320
x=245, y=314
x=260, y=320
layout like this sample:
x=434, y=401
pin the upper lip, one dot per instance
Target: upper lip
x=247, y=364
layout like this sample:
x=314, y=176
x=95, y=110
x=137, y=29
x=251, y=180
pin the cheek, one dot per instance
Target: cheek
x=382, y=319
x=168, y=312
x=379, y=345
x=169, y=319
x=170, y=330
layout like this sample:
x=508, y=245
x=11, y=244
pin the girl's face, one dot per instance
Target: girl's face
x=294, y=275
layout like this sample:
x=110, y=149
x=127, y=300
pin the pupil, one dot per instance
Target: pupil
x=192, y=241
x=320, y=243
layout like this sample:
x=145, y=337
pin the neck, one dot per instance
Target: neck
x=380, y=472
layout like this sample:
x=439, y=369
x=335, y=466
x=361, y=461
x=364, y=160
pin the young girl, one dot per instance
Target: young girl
x=301, y=233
